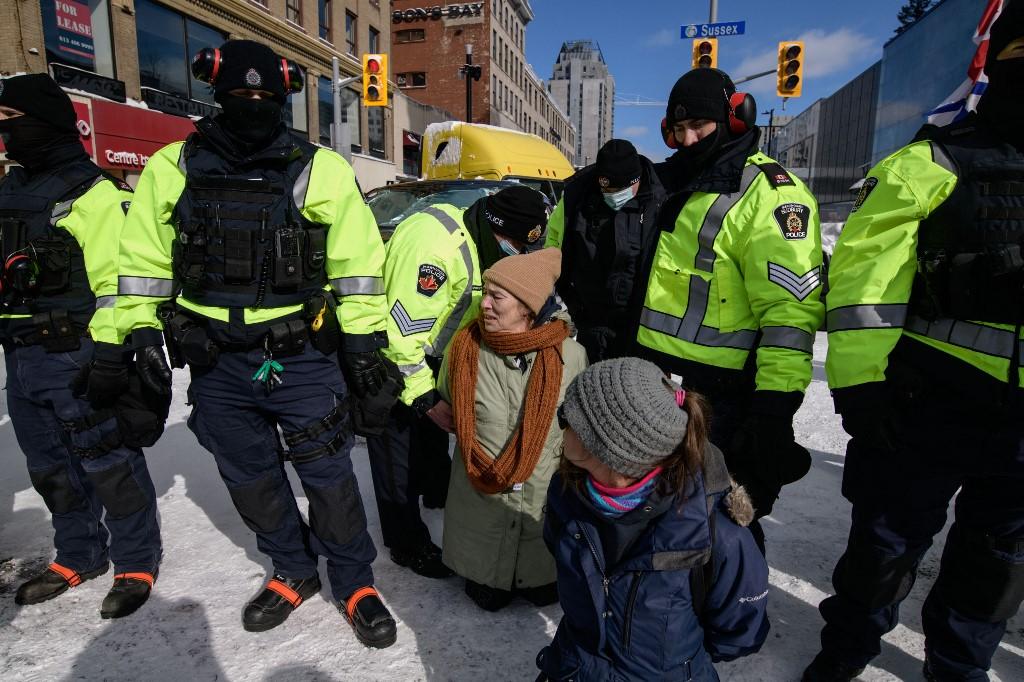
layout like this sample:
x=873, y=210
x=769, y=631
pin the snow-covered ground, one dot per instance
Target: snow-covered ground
x=191, y=627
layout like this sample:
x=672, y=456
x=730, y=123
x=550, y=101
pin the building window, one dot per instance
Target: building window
x=296, y=115
x=375, y=131
x=167, y=41
x=374, y=44
x=350, y=32
x=411, y=35
x=414, y=79
x=324, y=18
x=77, y=33
x=293, y=11
x=349, y=114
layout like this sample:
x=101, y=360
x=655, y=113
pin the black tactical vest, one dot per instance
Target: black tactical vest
x=44, y=268
x=971, y=248
x=241, y=238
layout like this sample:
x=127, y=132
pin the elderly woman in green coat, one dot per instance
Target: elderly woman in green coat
x=505, y=375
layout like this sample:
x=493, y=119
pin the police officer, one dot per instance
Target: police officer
x=933, y=402
x=253, y=229
x=605, y=225
x=732, y=301
x=59, y=216
x=433, y=279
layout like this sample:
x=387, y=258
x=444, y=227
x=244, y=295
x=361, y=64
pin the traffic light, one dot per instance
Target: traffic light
x=375, y=80
x=705, y=53
x=791, y=69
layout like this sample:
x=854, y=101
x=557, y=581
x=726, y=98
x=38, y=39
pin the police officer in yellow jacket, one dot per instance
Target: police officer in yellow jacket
x=733, y=296
x=276, y=264
x=925, y=309
x=433, y=279
x=59, y=217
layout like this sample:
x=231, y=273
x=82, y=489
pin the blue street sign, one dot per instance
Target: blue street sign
x=729, y=28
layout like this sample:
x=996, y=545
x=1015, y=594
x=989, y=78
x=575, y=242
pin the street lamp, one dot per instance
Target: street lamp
x=471, y=73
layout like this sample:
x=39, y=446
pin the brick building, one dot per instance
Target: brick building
x=126, y=64
x=429, y=45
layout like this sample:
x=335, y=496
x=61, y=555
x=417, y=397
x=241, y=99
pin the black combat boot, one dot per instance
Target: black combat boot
x=56, y=579
x=275, y=603
x=129, y=592
x=827, y=667
x=370, y=619
x=424, y=560
x=541, y=595
x=486, y=597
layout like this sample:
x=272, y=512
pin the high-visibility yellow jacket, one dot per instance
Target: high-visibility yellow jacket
x=354, y=258
x=741, y=272
x=433, y=281
x=872, y=273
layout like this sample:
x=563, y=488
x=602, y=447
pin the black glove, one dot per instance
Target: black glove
x=364, y=372
x=104, y=379
x=370, y=414
x=153, y=370
x=867, y=411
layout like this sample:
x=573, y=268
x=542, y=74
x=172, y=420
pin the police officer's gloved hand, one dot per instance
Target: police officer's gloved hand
x=764, y=454
x=105, y=378
x=867, y=411
x=151, y=365
x=370, y=415
x=365, y=372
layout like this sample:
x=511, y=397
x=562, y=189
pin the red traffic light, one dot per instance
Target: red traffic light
x=373, y=66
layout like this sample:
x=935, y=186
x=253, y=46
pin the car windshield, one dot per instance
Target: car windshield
x=392, y=206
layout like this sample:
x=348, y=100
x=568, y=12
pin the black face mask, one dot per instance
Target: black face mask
x=36, y=144
x=1003, y=101
x=252, y=120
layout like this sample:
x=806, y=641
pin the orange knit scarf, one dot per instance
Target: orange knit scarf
x=517, y=461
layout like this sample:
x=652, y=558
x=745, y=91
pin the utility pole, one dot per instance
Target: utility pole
x=713, y=12
x=471, y=73
x=341, y=137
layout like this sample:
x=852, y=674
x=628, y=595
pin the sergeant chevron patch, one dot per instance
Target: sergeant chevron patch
x=407, y=325
x=799, y=285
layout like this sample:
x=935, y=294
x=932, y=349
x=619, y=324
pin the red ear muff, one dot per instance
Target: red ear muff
x=206, y=65
x=668, y=135
x=292, y=75
x=742, y=113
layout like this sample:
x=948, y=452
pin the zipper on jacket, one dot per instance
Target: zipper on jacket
x=627, y=623
x=597, y=562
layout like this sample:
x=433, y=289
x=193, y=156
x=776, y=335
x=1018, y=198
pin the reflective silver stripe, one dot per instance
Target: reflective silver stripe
x=712, y=224
x=144, y=286
x=302, y=185
x=940, y=157
x=182, y=166
x=702, y=335
x=451, y=325
x=787, y=337
x=800, y=286
x=407, y=325
x=62, y=209
x=409, y=370
x=105, y=302
x=976, y=337
x=868, y=316
x=351, y=286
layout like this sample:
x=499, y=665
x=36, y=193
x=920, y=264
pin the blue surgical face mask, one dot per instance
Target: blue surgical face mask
x=617, y=200
x=507, y=248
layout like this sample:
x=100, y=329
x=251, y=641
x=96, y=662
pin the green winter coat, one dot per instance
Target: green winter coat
x=497, y=540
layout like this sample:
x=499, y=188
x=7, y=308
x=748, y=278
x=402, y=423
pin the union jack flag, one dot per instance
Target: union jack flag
x=965, y=98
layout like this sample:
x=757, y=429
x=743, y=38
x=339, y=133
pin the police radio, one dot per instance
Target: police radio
x=288, y=257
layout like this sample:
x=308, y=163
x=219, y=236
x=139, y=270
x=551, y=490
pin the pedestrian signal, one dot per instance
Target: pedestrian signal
x=791, y=69
x=375, y=80
x=705, y=53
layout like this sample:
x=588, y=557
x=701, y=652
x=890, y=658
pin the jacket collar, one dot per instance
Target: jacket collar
x=281, y=148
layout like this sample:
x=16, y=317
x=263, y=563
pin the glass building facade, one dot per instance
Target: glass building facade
x=845, y=135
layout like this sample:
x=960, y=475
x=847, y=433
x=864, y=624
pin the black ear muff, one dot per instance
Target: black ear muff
x=206, y=65
x=292, y=75
x=668, y=135
x=742, y=113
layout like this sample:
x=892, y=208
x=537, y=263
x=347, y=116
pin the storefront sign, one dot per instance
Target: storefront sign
x=125, y=137
x=74, y=28
x=472, y=9
x=77, y=79
x=179, y=106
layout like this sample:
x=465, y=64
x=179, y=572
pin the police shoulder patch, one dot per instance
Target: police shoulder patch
x=429, y=279
x=777, y=175
x=865, y=190
x=793, y=220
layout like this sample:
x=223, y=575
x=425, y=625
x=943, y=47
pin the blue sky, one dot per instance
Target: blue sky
x=641, y=44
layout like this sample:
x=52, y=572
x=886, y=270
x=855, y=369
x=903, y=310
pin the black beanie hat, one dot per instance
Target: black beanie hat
x=700, y=93
x=38, y=96
x=618, y=164
x=1007, y=28
x=248, y=65
x=517, y=212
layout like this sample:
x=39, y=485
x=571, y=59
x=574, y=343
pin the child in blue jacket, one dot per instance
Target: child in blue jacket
x=632, y=513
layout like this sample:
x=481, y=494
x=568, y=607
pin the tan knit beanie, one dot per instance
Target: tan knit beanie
x=529, y=277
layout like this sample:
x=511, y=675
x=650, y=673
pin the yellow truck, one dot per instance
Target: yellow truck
x=472, y=151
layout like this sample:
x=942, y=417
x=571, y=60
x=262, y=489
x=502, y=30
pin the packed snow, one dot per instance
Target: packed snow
x=191, y=627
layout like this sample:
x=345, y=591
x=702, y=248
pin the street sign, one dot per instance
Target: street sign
x=729, y=28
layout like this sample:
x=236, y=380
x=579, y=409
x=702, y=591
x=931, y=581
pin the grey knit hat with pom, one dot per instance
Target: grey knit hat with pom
x=626, y=414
